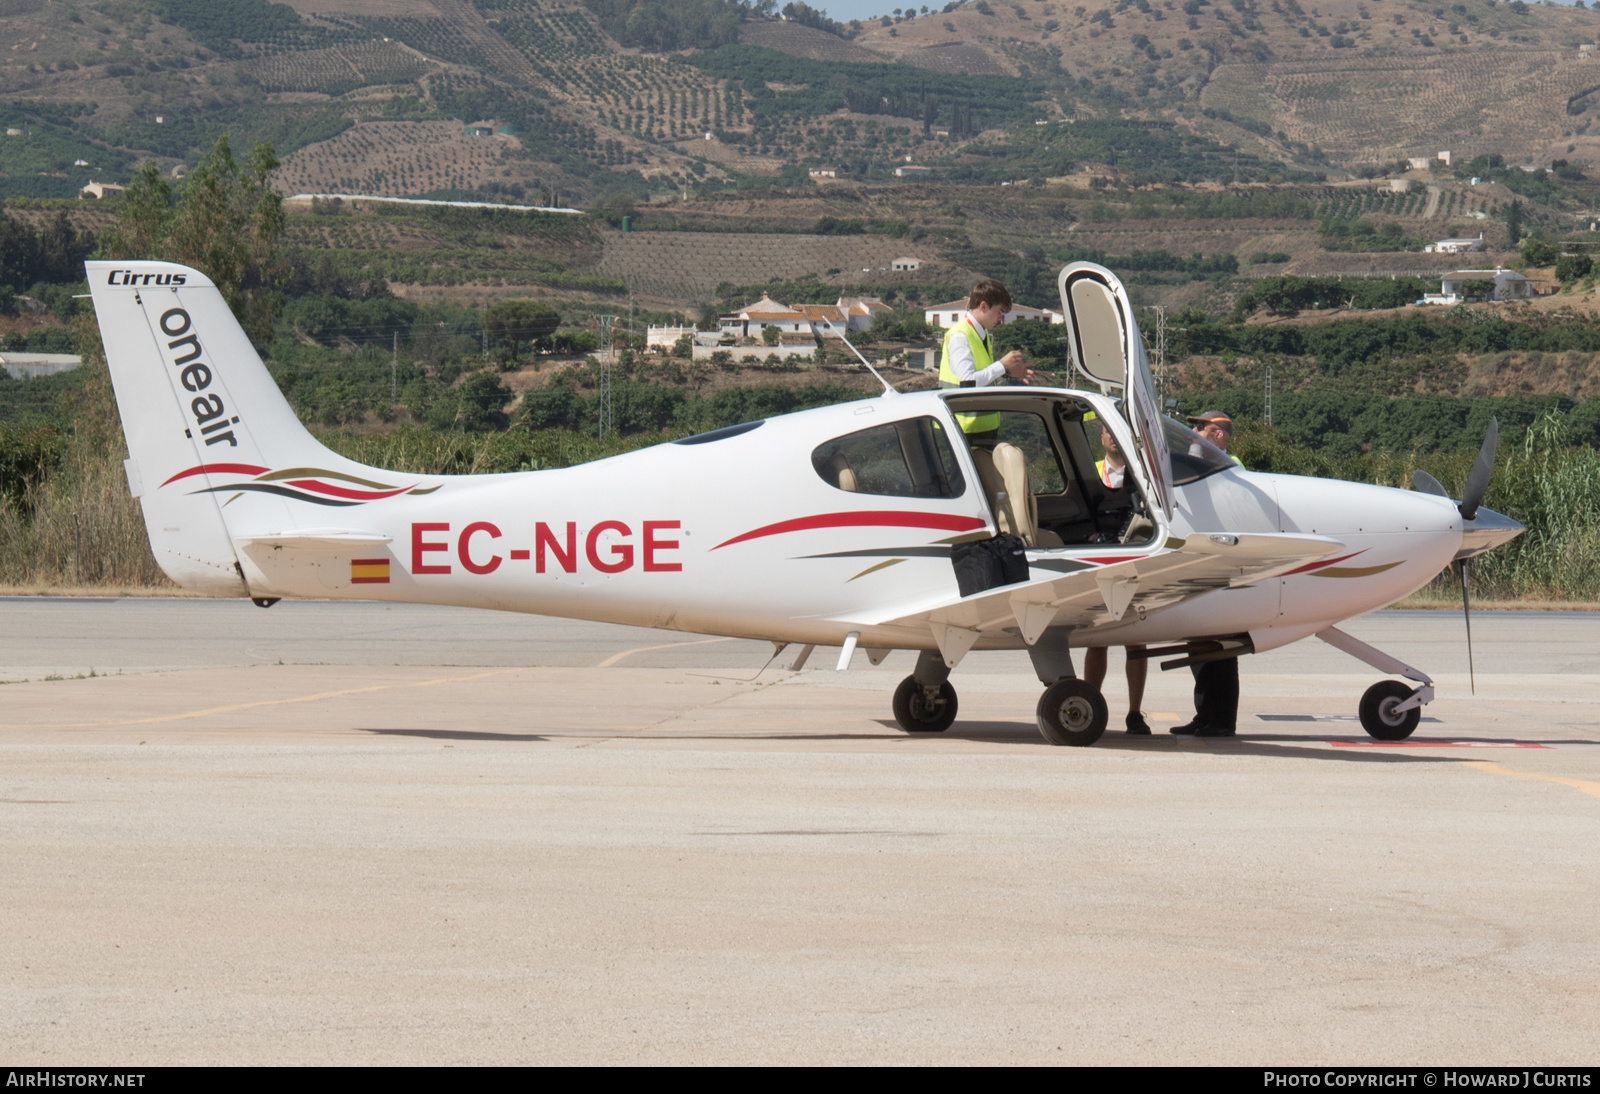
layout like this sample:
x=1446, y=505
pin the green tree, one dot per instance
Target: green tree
x=1514, y=222
x=1537, y=252
x=770, y=335
x=224, y=220
x=1573, y=267
x=482, y=399
x=519, y=321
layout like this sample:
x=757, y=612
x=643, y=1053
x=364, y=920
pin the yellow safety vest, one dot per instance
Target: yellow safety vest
x=1100, y=469
x=981, y=359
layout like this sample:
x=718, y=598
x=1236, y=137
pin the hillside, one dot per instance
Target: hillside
x=1309, y=88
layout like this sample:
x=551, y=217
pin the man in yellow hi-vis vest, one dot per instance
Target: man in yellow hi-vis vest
x=968, y=357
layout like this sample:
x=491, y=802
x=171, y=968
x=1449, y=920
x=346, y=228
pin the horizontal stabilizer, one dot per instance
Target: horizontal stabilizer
x=316, y=539
x=1097, y=594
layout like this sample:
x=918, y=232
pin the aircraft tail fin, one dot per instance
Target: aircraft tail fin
x=215, y=452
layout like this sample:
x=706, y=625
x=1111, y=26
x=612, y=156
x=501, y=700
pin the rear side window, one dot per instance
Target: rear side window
x=908, y=459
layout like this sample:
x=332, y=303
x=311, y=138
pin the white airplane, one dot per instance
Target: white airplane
x=829, y=527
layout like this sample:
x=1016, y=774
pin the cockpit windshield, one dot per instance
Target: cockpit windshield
x=1193, y=457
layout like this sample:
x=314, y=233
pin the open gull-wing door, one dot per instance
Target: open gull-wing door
x=1106, y=348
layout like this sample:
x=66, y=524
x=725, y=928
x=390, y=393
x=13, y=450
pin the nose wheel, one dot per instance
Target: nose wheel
x=1381, y=715
x=921, y=709
x=1072, y=712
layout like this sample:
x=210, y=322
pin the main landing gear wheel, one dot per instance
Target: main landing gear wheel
x=1072, y=712
x=916, y=713
x=1378, y=715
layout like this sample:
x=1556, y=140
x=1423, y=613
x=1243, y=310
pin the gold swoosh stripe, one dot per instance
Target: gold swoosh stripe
x=879, y=566
x=1354, y=571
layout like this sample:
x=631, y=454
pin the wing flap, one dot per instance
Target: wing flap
x=1204, y=562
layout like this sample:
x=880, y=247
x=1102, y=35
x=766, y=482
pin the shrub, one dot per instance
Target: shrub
x=1573, y=267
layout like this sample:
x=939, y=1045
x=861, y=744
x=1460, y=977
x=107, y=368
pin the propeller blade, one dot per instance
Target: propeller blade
x=1478, y=481
x=1424, y=483
x=1466, y=614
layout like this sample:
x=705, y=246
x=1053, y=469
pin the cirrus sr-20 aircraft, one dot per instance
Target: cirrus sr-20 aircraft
x=828, y=527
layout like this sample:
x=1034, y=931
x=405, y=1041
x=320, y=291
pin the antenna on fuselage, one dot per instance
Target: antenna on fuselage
x=888, y=388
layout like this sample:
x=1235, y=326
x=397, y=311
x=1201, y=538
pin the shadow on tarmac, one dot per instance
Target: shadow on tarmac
x=454, y=734
x=1256, y=744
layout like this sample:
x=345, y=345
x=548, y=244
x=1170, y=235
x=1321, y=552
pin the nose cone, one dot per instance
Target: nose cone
x=1487, y=531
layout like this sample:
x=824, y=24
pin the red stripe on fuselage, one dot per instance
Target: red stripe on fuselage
x=218, y=469
x=344, y=491
x=879, y=518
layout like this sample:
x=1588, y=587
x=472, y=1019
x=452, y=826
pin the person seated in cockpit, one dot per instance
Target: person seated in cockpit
x=1113, y=466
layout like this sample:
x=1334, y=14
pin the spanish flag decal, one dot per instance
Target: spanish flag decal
x=369, y=571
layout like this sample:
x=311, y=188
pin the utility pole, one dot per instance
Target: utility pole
x=1268, y=403
x=1158, y=364
x=605, y=325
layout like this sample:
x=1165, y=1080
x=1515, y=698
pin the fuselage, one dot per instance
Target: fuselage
x=745, y=532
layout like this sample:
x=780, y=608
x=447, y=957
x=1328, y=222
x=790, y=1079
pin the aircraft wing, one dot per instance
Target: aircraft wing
x=1199, y=564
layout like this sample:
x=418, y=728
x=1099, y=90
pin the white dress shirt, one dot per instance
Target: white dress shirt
x=961, y=360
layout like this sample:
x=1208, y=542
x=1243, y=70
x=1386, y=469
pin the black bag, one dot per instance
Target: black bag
x=989, y=563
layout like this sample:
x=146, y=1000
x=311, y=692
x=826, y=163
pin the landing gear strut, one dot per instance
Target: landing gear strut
x=1389, y=710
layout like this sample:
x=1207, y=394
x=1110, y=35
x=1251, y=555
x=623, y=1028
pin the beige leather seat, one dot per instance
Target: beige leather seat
x=844, y=476
x=1004, y=472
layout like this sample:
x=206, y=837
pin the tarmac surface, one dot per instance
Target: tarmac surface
x=357, y=833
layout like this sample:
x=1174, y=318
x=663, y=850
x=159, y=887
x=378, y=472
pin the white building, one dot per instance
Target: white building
x=665, y=337
x=906, y=264
x=805, y=321
x=1455, y=246
x=948, y=315
x=1508, y=284
x=1418, y=163
x=101, y=190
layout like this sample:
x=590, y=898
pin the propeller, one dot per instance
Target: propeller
x=1471, y=498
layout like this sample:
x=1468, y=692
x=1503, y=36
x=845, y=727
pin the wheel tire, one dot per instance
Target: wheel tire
x=1072, y=712
x=916, y=715
x=1378, y=716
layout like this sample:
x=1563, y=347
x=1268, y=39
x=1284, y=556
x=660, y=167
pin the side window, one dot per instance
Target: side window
x=909, y=459
x=1028, y=432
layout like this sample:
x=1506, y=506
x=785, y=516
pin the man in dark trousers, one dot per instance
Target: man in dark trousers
x=1216, y=683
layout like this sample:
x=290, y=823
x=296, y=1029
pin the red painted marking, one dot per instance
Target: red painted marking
x=218, y=469
x=944, y=522
x=1434, y=744
x=1109, y=559
x=369, y=581
x=369, y=562
x=1321, y=562
x=344, y=491
x=519, y=556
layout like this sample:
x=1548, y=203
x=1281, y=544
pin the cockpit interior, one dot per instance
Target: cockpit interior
x=1052, y=474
